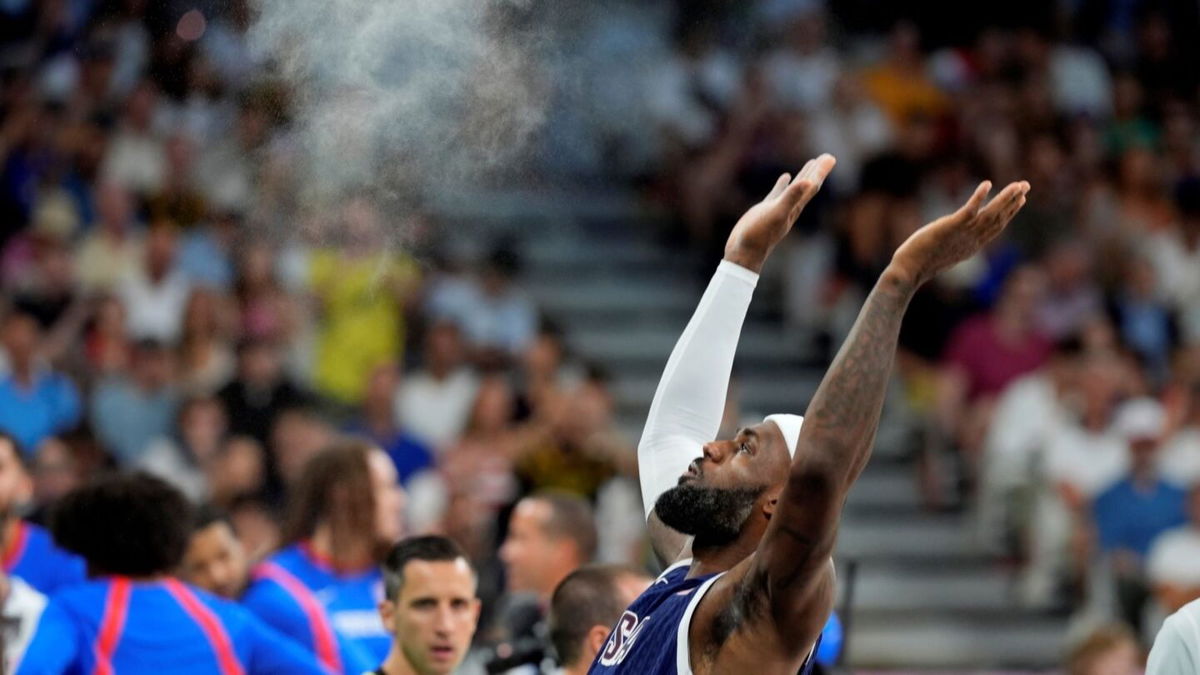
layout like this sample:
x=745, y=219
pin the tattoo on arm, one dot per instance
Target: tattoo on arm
x=842, y=418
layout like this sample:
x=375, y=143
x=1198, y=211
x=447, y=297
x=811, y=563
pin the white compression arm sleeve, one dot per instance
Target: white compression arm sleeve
x=690, y=400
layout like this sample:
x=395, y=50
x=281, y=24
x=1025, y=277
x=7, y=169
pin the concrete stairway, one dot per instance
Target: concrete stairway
x=922, y=597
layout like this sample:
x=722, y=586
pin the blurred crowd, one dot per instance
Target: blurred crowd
x=170, y=305
x=162, y=312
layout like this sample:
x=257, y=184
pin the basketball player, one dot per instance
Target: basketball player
x=750, y=526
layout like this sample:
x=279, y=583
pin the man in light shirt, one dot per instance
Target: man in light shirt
x=1177, y=648
x=1173, y=566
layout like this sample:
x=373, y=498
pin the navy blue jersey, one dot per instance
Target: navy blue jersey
x=651, y=638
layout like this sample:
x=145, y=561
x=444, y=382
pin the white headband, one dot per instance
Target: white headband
x=790, y=426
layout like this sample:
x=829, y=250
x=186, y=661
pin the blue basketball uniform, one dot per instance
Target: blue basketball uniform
x=119, y=626
x=651, y=638
x=351, y=599
x=284, y=603
x=32, y=555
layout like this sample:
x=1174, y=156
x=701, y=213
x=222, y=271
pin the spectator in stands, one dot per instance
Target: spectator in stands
x=265, y=311
x=496, y=316
x=259, y=392
x=1072, y=295
x=1027, y=415
x=206, y=359
x=107, y=347
x=177, y=199
x=362, y=290
x=584, y=609
x=300, y=433
x=57, y=471
x=156, y=294
x=549, y=536
x=434, y=403
x=377, y=422
x=130, y=411
x=1173, y=565
x=112, y=250
x=477, y=473
x=1132, y=512
x=1108, y=650
x=988, y=352
x=1083, y=456
x=206, y=253
x=132, y=616
x=900, y=84
x=1175, y=254
x=187, y=458
x=240, y=470
x=136, y=157
x=1142, y=318
x=216, y=561
x=345, y=510
x=573, y=446
x=35, y=401
x=430, y=607
x=26, y=550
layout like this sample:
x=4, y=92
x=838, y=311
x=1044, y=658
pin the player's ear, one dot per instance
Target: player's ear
x=387, y=612
x=769, y=506
x=596, y=638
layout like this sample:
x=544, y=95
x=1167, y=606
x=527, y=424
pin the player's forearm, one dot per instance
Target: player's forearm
x=841, y=421
x=690, y=399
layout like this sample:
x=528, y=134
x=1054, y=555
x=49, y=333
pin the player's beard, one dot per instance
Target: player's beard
x=714, y=516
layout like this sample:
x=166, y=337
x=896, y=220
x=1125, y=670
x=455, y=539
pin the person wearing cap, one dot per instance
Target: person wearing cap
x=1133, y=511
x=748, y=529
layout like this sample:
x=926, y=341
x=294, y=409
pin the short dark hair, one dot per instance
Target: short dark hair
x=570, y=517
x=430, y=548
x=206, y=515
x=130, y=525
x=587, y=597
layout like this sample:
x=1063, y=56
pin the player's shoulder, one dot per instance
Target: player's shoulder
x=232, y=615
x=675, y=572
x=273, y=591
x=1186, y=622
x=1177, y=646
x=292, y=559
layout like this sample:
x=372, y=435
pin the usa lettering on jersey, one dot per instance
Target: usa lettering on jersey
x=622, y=638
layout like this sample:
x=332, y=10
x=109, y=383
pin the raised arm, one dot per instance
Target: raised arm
x=690, y=400
x=840, y=423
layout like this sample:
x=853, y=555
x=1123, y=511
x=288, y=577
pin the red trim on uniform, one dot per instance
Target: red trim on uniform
x=116, y=608
x=16, y=547
x=327, y=564
x=209, y=623
x=324, y=639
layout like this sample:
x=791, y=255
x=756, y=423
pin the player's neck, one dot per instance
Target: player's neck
x=577, y=669
x=713, y=559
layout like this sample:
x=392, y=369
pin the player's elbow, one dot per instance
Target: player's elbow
x=817, y=476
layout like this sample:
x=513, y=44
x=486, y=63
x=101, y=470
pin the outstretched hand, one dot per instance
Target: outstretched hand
x=768, y=222
x=952, y=239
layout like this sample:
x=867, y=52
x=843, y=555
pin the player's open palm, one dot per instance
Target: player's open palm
x=952, y=239
x=761, y=228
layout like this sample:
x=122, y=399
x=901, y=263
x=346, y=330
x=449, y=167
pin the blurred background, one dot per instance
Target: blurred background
x=200, y=278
